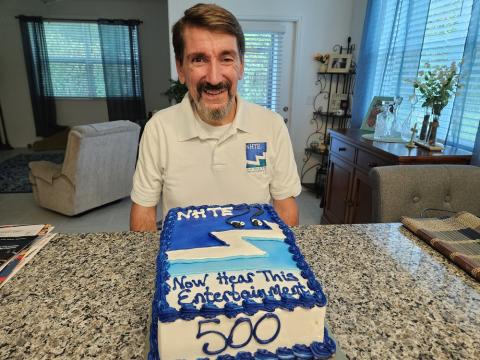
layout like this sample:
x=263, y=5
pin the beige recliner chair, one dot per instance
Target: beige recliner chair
x=98, y=168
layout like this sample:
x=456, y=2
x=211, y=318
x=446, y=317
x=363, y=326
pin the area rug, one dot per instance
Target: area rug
x=14, y=171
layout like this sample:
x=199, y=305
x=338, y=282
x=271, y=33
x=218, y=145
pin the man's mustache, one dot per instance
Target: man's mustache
x=206, y=86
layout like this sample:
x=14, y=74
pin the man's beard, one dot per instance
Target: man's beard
x=217, y=114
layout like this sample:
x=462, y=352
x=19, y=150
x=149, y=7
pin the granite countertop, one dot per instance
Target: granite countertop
x=390, y=296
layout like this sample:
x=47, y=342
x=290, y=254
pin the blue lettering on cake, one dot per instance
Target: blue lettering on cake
x=271, y=276
x=277, y=330
x=228, y=341
x=183, y=283
x=182, y=296
x=196, y=291
x=201, y=213
x=224, y=279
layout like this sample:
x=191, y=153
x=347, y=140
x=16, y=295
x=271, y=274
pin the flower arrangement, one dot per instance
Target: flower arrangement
x=321, y=58
x=436, y=86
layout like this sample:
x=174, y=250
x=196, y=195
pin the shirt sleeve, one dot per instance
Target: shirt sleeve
x=285, y=180
x=148, y=177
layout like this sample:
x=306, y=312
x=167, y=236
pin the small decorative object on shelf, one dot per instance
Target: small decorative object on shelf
x=433, y=133
x=436, y=147
x=423, y=131
x=414, y=130
x=322, y=60
x=388, y=126
x=314, y=145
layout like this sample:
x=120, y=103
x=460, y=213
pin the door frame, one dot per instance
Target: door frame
x=297, y=26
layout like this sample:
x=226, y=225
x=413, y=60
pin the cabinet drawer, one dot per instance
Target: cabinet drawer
x=366, y=161
x=342, y=149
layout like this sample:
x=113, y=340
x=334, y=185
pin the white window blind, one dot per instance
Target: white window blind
x=75, y=59
x=441, y=41
x=263, y=65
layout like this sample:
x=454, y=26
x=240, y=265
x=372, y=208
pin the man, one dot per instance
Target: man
x=213, y=148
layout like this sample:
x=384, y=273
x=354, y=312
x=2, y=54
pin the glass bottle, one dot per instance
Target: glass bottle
x=396, y=123
x=382, y=127
x=410, y=120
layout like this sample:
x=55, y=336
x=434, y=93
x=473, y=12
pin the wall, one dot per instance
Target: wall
x=14, y=92
x=320, y=25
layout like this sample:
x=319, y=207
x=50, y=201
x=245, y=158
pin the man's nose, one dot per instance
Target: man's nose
x=214, y=73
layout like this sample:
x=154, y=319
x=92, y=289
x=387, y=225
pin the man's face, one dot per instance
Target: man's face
x=211, y=69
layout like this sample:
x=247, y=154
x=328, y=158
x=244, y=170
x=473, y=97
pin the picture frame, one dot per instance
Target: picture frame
x=336, y=102
x=369, y=121
x=339, y=63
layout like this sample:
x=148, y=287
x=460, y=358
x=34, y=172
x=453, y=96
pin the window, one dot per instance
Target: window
x=261, y=79
x=75, y=58
x=409, y=33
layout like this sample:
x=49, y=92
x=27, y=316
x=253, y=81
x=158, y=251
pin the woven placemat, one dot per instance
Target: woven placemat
x=456, y=237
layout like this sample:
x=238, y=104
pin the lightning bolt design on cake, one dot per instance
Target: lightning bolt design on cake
x=235, y=244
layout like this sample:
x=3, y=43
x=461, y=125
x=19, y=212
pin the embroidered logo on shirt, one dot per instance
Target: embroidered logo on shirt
x=256, y=156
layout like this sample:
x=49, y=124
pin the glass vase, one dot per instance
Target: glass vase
x=434, y=125
x=409, y=122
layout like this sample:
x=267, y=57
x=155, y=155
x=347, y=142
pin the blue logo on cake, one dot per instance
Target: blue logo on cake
x=256, y=156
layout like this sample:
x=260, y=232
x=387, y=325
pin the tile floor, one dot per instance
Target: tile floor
x=21, y=209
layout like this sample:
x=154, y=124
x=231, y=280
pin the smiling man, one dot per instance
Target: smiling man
x=213, y=148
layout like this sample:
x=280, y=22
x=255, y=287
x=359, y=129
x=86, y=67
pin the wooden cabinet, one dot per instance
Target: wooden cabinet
x=348, y=198
x=340, y=175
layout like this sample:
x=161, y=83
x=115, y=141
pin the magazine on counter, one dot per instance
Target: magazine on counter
x=18, y=245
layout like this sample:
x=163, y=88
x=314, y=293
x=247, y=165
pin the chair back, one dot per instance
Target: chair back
x=407, y=190
x=100, y=160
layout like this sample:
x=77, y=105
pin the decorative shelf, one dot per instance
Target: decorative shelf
x=332, y=115
x=335, y=73
x=316, y=151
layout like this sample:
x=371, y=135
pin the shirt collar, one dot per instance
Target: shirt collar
x=188, y=128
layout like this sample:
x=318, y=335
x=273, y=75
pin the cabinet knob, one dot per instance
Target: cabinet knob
x=342, y=149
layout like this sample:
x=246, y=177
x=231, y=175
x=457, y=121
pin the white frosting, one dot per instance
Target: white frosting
x=178, y=339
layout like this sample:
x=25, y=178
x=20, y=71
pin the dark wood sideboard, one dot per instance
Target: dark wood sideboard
x=348, y=197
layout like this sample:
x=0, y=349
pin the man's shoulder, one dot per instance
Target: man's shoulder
x=165, y=116
x=169, y=120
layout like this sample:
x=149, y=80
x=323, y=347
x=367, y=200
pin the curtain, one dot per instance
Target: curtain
x=390, y=52
x=465, y=119
x=39, y=79
x=122, y=70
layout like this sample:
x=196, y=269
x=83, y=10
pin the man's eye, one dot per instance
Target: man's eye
x=198, y=59
x=227, y=59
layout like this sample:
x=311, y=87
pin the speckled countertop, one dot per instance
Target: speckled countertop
x=390, y=296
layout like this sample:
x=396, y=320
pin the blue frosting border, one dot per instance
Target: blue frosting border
x=162, y=311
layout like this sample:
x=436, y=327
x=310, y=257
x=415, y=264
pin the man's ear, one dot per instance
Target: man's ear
x=181, y=74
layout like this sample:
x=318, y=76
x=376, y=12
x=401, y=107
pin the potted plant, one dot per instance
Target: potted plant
x=176, y=91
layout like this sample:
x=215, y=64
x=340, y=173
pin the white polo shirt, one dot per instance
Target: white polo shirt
x=186, y=162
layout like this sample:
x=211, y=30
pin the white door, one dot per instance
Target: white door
x=269, y=64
